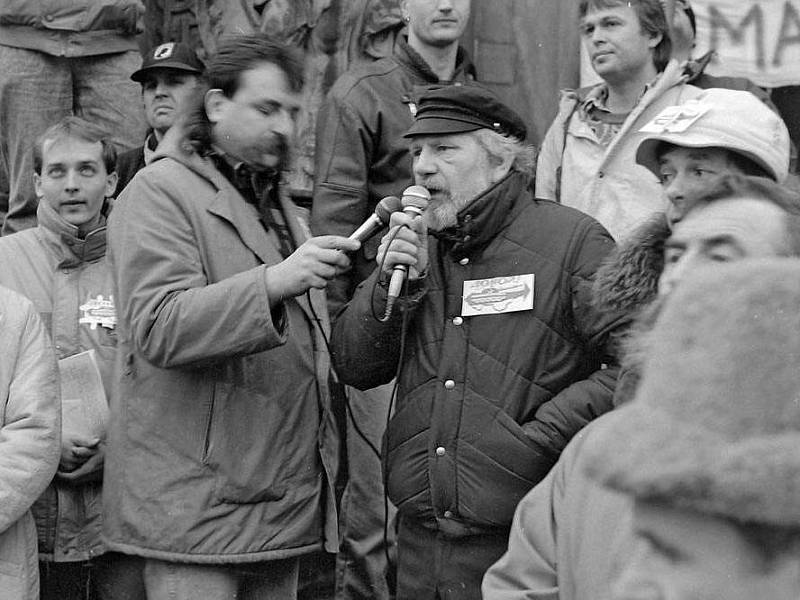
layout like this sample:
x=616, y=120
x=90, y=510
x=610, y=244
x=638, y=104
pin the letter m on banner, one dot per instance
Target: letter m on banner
x=758, y=39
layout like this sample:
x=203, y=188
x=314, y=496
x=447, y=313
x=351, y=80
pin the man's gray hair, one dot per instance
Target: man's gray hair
x=500, y=146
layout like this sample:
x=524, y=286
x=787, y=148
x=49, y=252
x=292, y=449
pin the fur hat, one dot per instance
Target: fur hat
x=715, y=425
x=732, y=119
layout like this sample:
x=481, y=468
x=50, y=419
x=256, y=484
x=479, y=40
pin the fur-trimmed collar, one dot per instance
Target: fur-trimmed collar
x=628, y=280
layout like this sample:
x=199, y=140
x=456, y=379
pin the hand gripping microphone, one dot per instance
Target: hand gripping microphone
x=377, y=220
x=415, y=201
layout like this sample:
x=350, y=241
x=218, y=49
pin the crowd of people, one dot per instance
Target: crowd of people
x=475, y=369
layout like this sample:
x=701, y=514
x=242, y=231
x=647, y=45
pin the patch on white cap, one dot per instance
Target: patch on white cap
x=677, y=119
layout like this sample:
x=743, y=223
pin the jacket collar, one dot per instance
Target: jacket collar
x=482, y=219
x=411, y=59
x=231, y=206
x=65, y=241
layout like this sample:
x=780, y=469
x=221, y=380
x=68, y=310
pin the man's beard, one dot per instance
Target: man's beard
x=444, y=212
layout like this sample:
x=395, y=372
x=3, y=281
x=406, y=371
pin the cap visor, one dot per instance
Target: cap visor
x=138, y=76
x=439, y=126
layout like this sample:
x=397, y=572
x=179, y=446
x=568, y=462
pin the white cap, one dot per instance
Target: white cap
x=732, y=119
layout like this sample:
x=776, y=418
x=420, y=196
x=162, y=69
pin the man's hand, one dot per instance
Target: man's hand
x=312, y=265
x=90, y=470
x=76, y=450
x=409, y=246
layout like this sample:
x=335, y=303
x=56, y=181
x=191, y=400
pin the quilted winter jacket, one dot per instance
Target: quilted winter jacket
x=605, y=181
x=222, y=444
x=361, y=155
x=30, y=439
x=486, y=403
x=71, y=28
x=64, y=275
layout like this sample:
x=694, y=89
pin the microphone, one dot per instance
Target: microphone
x=377, y=220
x=415, y=201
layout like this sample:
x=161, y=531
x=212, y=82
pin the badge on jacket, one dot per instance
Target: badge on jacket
x=497, y=295
x=99, y=311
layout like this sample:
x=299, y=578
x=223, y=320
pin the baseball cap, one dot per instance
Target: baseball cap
x=732, y=119
x=463, y=108
x=170, y=55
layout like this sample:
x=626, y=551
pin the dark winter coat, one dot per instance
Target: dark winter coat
x=486, y=403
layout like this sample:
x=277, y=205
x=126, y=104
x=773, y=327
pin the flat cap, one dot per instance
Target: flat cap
x=461, y=108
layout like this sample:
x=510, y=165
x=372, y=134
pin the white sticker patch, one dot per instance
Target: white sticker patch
x=497, y=295
x=99, y=311
x=164, y=51
x=676, y=119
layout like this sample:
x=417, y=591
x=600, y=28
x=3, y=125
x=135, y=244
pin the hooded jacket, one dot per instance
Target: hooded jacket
x=486, y=403
x=67, y=279
x=222, y=445
x=361, y=155
x=605, y=181
x=30, y=439
x=74, y=28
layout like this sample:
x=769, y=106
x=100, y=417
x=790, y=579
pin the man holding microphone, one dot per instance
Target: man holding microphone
x=503, y=358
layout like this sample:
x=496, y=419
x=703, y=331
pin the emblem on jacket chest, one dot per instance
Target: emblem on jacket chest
x=99, y=311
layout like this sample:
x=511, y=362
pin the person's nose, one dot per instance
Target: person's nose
x=424, y=164
x=161, y=89
x=445, y=6
x=283, y=123
x=71, y=181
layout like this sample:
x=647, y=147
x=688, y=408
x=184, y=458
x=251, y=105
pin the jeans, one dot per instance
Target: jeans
x=361, y=566
x=111, y=576
x=434, y=566
x=269, y=580
x=36, y=91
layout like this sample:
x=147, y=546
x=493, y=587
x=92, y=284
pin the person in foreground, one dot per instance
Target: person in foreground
x=569, y=533
x=707, y=451
x=30, y=439
x=505, y=359
x=222, y=447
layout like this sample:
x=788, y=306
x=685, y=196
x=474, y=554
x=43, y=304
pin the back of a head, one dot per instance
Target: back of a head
x=715, y=424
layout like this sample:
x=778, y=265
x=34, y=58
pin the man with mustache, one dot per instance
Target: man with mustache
x=499, y=355
x=360, y=158
x=222, y=449
x=168, y=77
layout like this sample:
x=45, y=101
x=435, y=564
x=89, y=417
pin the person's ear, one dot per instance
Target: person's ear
x=37, y=185
x=111, y=184
x=215, y=103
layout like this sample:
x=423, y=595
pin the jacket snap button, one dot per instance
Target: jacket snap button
x=464, y=261
x=449, y=384
x=440, y=451
x=448, y=514
x=457, y=320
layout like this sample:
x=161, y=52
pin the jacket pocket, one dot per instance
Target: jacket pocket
x=248, y=454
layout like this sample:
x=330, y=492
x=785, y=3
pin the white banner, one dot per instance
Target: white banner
x=757, y=39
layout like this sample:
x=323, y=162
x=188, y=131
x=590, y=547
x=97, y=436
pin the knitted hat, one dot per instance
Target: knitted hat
x=732, y=119
x=715, y=424
x=171, y=55
x=444, y=110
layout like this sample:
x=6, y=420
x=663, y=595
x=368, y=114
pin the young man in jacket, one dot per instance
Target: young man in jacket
x=60, y=266
x=168, y=76
x=222, y=445
x=60, y=58
x=504, y=359
x=360, y=158
x=30, y=430
x=587, y=157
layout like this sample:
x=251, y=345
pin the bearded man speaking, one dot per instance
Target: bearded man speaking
x=499, y=355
